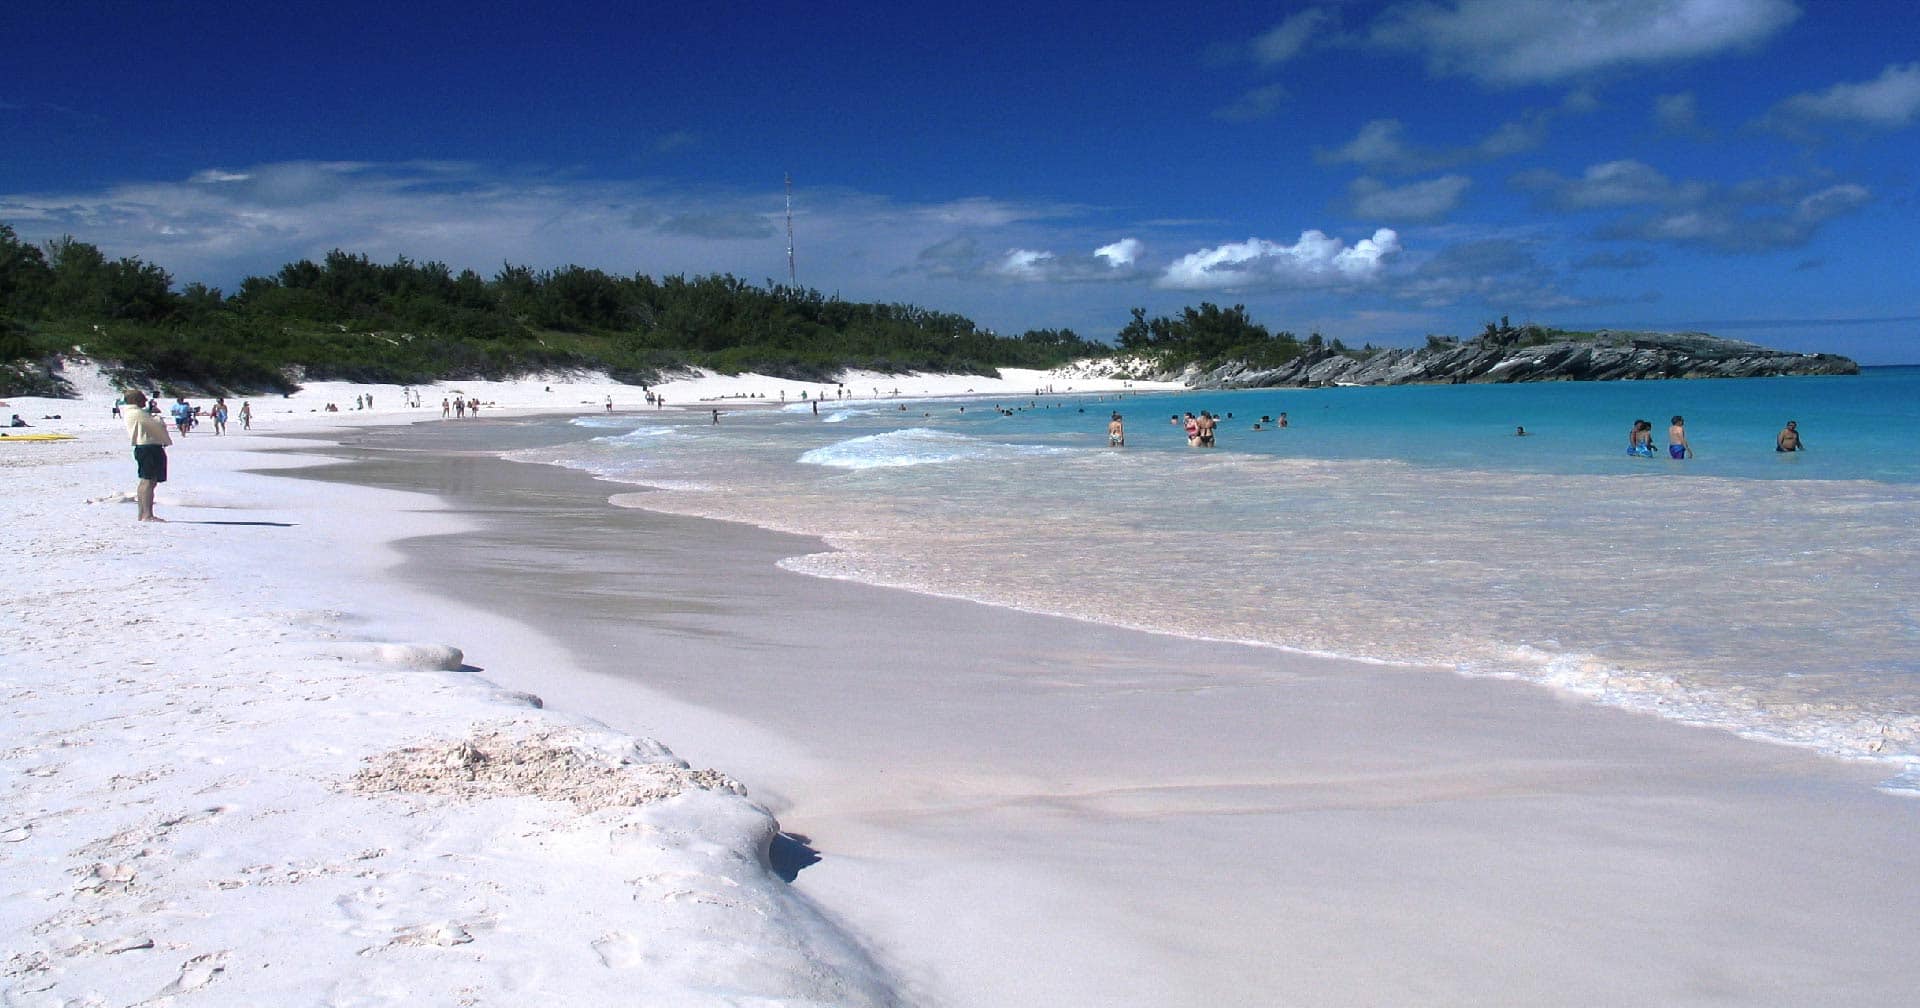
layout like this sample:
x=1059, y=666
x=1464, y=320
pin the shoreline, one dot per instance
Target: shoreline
x=998, y=807
x=945, y=802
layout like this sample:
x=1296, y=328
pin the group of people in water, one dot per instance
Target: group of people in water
x=1640, y=439
x=1200, y=430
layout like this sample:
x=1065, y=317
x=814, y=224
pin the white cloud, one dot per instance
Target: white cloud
x=1024, y=264
x=1111, y=262
x=1510, y=42
x=1888, y=102
x=1122, y=253
x=1315, y=260
x=1284, y=41
x=1420, y=201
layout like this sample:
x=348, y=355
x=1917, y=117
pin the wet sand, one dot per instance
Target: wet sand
x=1016, y=809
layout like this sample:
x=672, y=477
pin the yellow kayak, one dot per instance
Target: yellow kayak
x=9, y=435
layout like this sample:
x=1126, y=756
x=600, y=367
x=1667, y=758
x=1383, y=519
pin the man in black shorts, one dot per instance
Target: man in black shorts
x=150, y=441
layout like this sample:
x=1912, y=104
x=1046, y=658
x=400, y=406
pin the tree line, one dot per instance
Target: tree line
x=408, y=322
x=347, y=317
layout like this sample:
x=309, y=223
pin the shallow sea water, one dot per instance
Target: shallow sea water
x=1773, y=595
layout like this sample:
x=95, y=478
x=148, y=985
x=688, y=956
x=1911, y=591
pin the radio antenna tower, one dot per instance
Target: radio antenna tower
x=791, y=281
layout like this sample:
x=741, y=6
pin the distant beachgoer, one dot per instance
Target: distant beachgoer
x=17, y=422
x=1206, y=424
x=1640, y=439
x=182, y=416
x=473, y=406
x=460, y=408
x=716, y=416
x=246, y=416
x=220, y=415
x=446, y=407
x=150, y=441
x=1193, y=431
x=816, y=407
x=1283, y=419
x=1116, y=432
x=1677, y=446
x=1519, y=432
x=610, y=403
x=1789, y=439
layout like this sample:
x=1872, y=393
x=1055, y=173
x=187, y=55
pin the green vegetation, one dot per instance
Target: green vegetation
x=1210, y=335
x=348, y=318
x=412, y=322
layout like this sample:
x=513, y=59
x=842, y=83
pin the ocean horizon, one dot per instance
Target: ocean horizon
x=1775, y=595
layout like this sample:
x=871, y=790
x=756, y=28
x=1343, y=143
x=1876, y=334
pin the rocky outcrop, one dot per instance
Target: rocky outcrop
x=1604, y=356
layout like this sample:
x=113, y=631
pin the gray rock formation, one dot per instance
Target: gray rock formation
x=1608, y=355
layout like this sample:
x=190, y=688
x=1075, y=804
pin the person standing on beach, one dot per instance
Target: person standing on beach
x=220, y=415
x=150, y=441
x=446, y=407
x=1116, y=432
x=1789, y=439
x=1677, y=446
x=246, y=416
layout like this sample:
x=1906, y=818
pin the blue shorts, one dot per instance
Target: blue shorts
x=1678, y=451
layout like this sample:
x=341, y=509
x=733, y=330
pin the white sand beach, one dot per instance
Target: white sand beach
x=252, y=758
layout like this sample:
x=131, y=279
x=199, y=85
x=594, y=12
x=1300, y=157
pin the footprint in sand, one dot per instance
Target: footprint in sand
x=196, y=973
x=619, y=950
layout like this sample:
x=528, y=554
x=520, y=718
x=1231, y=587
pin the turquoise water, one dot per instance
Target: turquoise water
x=1856, y=427
x=1773, y=595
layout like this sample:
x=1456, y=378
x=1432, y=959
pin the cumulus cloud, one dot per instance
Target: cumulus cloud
x=1511, y=42
x=1421, y=201
x=1122, y=253
x=1315, y=260
x=1888, y=102
x=1115, y=261
x=1024, y=264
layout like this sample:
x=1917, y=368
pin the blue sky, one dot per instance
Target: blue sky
x=1373, y=171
